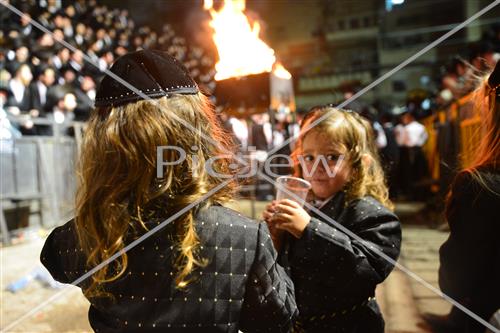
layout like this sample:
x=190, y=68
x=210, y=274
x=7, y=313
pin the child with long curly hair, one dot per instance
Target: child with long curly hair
x=335, y=274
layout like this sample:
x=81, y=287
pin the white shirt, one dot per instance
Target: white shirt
x=91, y=93
x=56, y=61
x=321, y=203
x=414, y=135
x=268, y=133
x=7, y=132
x=278, y=139
x=79, y=39
x=240, y=130
x=381, y=140
x=17, y=88
x=42, y=90
x=76, y=66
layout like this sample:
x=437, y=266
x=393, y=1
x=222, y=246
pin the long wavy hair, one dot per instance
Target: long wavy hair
x=118, y=187
x=356, y=135
x=487, y=107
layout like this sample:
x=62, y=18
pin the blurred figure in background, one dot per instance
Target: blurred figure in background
x=411, y=136
x=390, y=153
x=21, y=56
x=7, y=130
x=18, y=86
x=85, y=96
x=39, y=90
x=261, y=132
x=62, y=114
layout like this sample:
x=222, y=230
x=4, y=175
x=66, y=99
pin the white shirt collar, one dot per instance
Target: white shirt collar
x=321, y=203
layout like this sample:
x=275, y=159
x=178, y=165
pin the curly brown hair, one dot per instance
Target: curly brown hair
x=118, y=183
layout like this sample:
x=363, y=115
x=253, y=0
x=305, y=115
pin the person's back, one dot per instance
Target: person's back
x=149, y=206
x=469, y=270
x=239, y=288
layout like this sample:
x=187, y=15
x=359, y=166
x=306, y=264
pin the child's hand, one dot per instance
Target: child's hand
x=267, y=215
x=290, y=216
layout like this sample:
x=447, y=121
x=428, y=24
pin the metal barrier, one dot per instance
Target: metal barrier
x=430, y=148
x=470, y=134
x=41, y=170
x=454, y=135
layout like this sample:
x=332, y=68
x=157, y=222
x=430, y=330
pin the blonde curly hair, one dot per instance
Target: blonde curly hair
x=356, y=135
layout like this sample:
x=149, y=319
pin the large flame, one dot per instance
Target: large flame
x=241, y=51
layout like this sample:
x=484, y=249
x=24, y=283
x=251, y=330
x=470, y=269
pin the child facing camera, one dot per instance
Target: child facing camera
x=335, y=274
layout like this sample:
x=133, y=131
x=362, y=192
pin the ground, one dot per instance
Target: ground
x=402, y=298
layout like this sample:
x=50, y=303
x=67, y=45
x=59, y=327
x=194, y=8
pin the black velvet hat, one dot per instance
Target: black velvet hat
x=154, y=73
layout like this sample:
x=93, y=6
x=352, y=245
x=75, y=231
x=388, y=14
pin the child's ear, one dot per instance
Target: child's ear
x=367, y=160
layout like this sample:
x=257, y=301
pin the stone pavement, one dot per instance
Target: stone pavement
x=420, y=253
x=66, y=314
x=402, y=299
x=405, y=298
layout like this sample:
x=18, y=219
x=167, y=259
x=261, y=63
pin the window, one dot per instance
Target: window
x=341, y=25
x=354, y=23
x=390, y=3
x=366, y=21
x=398, y=86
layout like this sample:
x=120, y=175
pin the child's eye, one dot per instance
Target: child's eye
x=332, y=157
x=308, y=158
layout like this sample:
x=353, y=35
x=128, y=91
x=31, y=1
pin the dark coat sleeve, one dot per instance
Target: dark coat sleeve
x=269, y=300
x=469, y=257
x=52, y=257
x=62, y=255
x=351, y=263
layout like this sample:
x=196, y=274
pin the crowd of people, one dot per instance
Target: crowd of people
x=41, y=78
x=462, y=74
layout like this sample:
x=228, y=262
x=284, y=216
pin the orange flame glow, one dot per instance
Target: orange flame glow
x=281, y=71
x=240, y=49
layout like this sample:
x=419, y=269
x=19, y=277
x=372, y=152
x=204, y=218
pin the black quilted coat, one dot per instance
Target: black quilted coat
x=335, y=275
x=241, y=288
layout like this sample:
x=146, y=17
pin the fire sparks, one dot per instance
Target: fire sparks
x=241, y=51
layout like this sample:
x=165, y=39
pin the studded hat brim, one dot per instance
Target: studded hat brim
x=134, y=97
